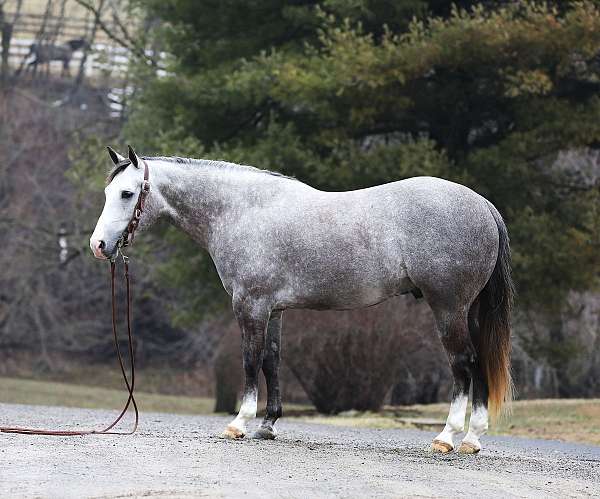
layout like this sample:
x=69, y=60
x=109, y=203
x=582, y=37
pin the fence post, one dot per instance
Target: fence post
x=6, y=29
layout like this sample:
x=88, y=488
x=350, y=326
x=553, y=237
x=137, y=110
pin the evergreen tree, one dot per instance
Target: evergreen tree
x=350, y=93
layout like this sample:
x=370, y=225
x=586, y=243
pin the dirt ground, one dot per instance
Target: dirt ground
x=182, y=456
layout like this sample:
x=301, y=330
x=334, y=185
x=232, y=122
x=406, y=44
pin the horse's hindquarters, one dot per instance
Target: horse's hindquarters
x=450, y=244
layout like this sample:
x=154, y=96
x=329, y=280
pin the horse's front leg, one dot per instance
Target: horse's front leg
x=270, y=369
x=253, y=316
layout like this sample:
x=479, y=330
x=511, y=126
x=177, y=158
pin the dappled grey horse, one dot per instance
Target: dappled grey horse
x=278, y=243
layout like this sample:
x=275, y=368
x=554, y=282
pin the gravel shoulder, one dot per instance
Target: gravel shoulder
x=182, y=456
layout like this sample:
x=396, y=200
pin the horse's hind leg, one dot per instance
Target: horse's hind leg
x=270, y=369
x=454, y=333
x=478, y=424
x=253, y=316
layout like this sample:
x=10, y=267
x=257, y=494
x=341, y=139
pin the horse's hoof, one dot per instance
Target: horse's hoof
x=232, y=433
x=441, y=447
x=468, y=448
x=264, y=434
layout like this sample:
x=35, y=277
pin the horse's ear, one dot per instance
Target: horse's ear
x=133, y=156
x=114, y=155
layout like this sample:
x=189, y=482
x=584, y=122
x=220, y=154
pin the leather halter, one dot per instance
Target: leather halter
x=125, y=240
x=128, y=234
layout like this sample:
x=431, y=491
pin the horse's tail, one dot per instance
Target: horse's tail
x=495, y=304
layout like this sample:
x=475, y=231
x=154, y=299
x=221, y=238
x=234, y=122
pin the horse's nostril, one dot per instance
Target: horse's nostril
x=101, y=244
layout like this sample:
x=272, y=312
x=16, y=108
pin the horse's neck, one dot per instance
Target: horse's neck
x=196, y=197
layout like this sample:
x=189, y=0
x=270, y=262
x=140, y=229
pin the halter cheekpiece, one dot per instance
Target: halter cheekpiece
x=128, y=234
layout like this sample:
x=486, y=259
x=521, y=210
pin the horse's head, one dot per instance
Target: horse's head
x=123, y=189
x=77, y=44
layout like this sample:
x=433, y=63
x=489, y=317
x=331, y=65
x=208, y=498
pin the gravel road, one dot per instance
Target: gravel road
x=182, y=456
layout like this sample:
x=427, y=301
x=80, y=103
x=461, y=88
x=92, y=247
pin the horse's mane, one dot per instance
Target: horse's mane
x=194, y=162
x=214, y=164
x=115, y=170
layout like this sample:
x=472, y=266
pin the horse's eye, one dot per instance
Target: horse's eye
x=126, y=194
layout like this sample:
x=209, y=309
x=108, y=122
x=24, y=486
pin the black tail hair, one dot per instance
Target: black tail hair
x=495, y=306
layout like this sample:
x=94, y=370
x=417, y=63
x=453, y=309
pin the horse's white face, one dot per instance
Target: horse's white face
x=121, y=196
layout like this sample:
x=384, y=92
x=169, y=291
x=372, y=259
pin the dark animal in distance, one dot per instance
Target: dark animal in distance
x=44, y=53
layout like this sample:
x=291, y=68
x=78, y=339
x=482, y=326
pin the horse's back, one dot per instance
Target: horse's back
x=350, y=249
x=425, y=232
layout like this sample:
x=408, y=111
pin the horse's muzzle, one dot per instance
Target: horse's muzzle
x=99, y=249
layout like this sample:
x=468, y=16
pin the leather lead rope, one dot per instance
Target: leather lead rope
x=125, y=240
x=130, y=386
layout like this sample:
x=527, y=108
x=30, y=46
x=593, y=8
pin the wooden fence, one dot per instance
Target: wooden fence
x=68, y=27
x=105, y=58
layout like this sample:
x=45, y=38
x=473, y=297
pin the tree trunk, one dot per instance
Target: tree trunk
x=226, y=390
x=7, y=29
x=228, y=372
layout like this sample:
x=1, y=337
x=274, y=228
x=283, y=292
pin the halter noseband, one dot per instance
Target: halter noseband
x=128, y=234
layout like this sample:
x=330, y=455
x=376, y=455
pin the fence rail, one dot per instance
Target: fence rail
x=104, y=58
x=64, y=27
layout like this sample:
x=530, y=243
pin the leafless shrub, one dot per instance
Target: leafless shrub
x=351, y=359
x=41, y=293
x=53, y=295
x=559, y=355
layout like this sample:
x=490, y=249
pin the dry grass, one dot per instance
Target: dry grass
x=111, y=395
x=571, y=420
x=23, y=391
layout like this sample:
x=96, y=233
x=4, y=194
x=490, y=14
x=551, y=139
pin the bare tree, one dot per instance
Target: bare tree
x=90, y=41
x=6, y=29
x=120, y=34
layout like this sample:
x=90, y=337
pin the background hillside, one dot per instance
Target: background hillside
x=343, y=94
